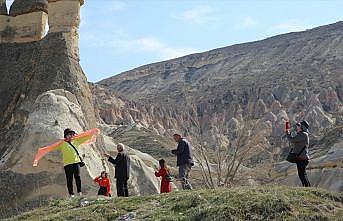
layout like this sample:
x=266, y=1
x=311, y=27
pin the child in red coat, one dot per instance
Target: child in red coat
x=104, y=183
x=163, y=172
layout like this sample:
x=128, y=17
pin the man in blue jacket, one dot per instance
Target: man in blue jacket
x=184, y=159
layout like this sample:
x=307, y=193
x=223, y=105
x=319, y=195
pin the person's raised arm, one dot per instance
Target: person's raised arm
x=88, y=136
x=97, y=179
x=46, y=149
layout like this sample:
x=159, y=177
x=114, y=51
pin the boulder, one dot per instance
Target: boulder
x=53, y=111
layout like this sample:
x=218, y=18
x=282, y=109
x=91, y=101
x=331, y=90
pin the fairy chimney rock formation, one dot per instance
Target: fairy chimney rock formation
x=27, y=19
x=64, y=16
x=25, y=23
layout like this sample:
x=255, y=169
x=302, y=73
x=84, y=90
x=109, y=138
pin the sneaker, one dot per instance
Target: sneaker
x=80, y=193
x=72, y=196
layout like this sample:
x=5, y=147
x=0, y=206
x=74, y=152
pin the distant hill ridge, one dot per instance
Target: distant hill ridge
x=294, y=58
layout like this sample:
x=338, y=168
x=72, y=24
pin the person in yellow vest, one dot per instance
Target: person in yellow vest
x=71, y=158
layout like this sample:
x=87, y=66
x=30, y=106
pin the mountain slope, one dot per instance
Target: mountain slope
x=312, y=59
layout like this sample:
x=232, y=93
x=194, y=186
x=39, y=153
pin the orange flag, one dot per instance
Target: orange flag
x=86, y=137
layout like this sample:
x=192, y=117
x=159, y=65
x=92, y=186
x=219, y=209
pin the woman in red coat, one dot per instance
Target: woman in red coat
x=104, y=183
x=164, y=172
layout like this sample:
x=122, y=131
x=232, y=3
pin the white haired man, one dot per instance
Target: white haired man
x=122, y=170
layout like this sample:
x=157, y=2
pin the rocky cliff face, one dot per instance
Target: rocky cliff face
x=292, y=77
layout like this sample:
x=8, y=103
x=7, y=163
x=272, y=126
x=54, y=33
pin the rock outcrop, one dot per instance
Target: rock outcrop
x=20, y=7
x=26, y=21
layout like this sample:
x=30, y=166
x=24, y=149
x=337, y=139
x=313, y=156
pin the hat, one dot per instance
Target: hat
x=304, y=125
x=68, y=131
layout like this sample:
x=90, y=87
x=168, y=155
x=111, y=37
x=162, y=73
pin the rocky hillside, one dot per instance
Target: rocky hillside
x=244, y=203
x=293, y=76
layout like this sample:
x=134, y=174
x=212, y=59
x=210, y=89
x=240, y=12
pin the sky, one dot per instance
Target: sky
x=119, y=35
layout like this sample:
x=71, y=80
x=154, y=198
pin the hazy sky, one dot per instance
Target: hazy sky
x=118, y=35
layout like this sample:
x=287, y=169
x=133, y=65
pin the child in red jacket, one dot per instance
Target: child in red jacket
x=104, y=183
x=164, y=172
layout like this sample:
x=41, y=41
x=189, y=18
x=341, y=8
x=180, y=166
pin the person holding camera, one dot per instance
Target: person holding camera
x=300, y=144
x=122, y=170
x=104, y=184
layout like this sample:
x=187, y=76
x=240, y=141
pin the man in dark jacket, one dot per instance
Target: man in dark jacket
x=300, y=147
x=122, y=170
x=184, y=159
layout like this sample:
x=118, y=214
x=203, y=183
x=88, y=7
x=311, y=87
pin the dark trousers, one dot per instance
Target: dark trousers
x=301, y=165
x=122, y=189
x=103, y=191
x=73, y=170
x=184, y=171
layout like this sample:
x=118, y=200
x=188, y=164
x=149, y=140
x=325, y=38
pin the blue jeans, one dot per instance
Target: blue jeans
x=184, y=170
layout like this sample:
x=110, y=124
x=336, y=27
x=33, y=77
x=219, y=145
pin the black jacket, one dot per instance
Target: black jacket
x=300, y=141
x=122, y=165
x=184, y=153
